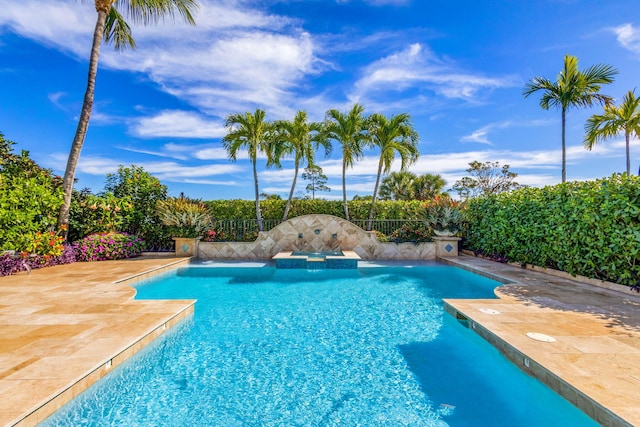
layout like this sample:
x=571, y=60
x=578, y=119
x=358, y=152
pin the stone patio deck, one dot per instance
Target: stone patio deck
x=63, y=328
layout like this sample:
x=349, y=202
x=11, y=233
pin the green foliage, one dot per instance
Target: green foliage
x=144, y=191
x=588, y=228
x=29, y=200
x=184, y=217
x=411, y=232
x=97, y=214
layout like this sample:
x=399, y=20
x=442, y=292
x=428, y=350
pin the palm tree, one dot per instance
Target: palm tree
x=392, y=135
x=112, y=27
x=253, y=132
x=428, y=186
x=574, y=88
x=300, y=139
x=614, y=120
x=350, y=130
x=398, y=186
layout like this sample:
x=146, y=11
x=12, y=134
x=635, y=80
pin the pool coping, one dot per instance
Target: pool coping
x=533, y=357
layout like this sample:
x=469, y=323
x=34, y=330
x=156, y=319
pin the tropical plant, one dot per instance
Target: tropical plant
x=317, y=178
x=443, y=215
x=184, y=217
x=350, y=130
x=613, y=121
x=573, y=88
x=112, y=27
x=299, y=139
x=391, y=135
x=91, y=213
x=486, y=178
x=413, y=232
x=253, y=132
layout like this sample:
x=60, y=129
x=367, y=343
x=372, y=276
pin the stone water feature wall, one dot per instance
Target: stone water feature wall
x=319, y=233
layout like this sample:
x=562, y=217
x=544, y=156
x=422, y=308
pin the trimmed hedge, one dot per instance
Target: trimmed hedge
x=274, y=209
x=587, y=228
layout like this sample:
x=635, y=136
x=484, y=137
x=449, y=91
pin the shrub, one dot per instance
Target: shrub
x=30, y=197
x=108, y=246
x=97, y=214
x=588, y=228
x=411, y=232
x=442, y=214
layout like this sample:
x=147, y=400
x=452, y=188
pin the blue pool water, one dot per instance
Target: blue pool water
x=366, y=347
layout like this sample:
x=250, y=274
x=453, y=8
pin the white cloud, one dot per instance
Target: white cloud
x=481, y=135
x=629, y=37
x=180, y=124
x=417, y=67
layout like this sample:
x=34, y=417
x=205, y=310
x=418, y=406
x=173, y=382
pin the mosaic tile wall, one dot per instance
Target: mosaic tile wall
x=315, y=233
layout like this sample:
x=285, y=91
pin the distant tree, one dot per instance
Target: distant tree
x=144, y=190
x=350, y=131
x=428, y=186
x=574, y=88
x=613, y=121
x=394, y=135
x=317, y=178
x=299, y=139
x=486, y=178
x=112, y=27
x=253, y=132
x=267, y=196
x=357, y=197
x=397, y=186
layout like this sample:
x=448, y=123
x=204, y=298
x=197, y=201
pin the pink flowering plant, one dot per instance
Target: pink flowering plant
x=108, y=246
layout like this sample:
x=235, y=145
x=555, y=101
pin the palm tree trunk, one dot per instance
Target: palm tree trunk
x=373, y=199
x=626, y=137
x=564, y=148
x=293, y=187
x=83, y=123
x=255, y=182
x=344, y=190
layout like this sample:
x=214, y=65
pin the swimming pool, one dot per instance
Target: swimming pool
x=368, y=347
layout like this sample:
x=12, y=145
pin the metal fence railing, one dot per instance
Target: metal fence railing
x=247, y=229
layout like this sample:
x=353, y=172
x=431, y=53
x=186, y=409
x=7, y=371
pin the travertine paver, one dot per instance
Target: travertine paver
x=61, y=326
x=595, y=360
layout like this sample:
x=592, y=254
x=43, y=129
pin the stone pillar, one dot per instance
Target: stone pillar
x=446, y=246
x=186, y=246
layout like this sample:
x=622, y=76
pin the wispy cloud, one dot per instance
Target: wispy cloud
x=629, y=37
x=180, y=124
x=481, y=135
x=417, y=67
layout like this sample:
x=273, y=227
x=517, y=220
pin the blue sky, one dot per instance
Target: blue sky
x=458, y=68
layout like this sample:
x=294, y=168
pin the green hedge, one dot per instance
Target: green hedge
x=274, y=209
x=584, y=228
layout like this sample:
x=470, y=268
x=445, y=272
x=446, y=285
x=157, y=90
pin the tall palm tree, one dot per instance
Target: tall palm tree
x=574, y=88
x=300, y=139
x=392, y=135
x=112, y=27
x=614, y=120
x=253, y=132
x=350, y=131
